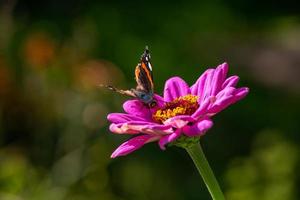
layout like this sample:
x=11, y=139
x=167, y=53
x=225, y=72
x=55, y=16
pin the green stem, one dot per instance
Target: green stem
x=196, y=153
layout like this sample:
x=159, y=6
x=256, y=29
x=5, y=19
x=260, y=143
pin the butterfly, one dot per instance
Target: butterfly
x=144, y=90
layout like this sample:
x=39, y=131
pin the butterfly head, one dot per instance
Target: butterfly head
x=152, y=104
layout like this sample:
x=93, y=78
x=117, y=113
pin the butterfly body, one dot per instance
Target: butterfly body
x=144, y=90
x=145, y=97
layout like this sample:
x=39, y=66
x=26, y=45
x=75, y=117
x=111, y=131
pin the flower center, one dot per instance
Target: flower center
x=185, y=105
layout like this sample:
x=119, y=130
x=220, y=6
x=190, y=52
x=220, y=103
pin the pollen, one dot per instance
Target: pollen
x=185, y=105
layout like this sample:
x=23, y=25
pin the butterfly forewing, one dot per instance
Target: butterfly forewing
x=143, y=73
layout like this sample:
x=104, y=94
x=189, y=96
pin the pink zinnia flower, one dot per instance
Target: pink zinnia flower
x=182, y=111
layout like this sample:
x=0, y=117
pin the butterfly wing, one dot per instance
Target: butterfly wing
x=143, y=73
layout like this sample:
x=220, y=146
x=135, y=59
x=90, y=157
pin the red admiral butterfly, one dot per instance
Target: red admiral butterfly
x=144, y=90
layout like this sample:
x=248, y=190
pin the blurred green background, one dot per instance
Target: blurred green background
x=54, y=137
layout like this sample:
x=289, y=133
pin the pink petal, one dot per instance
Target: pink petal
x=240, y=93
x=136, y=127
x=224, y=67
x=198, y=128
x=137, y=108
x=230, y=82
x=202, y=110
x=210, y=82
x=198, y=88
x=122, y=118
x=179, y=121
x=218, y=78
x=132, y=145
x=228, y=91
x=175, y=87
x=227, y=97
x=121, y=129
x=214, y=81
x=157, y=129
x=223, y=99
x=169, y=138
x=159, y=100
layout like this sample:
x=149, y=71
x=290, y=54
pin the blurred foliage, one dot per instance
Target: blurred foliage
x=269, y=171
x=54, y=138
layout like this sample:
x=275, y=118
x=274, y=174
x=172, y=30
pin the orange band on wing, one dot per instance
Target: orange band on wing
x=147, y=73
x=137, y=72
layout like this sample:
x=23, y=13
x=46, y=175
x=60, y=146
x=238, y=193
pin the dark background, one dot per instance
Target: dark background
x=54, y=137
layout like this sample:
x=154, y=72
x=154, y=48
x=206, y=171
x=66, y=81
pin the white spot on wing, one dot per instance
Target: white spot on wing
x=150, y=66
